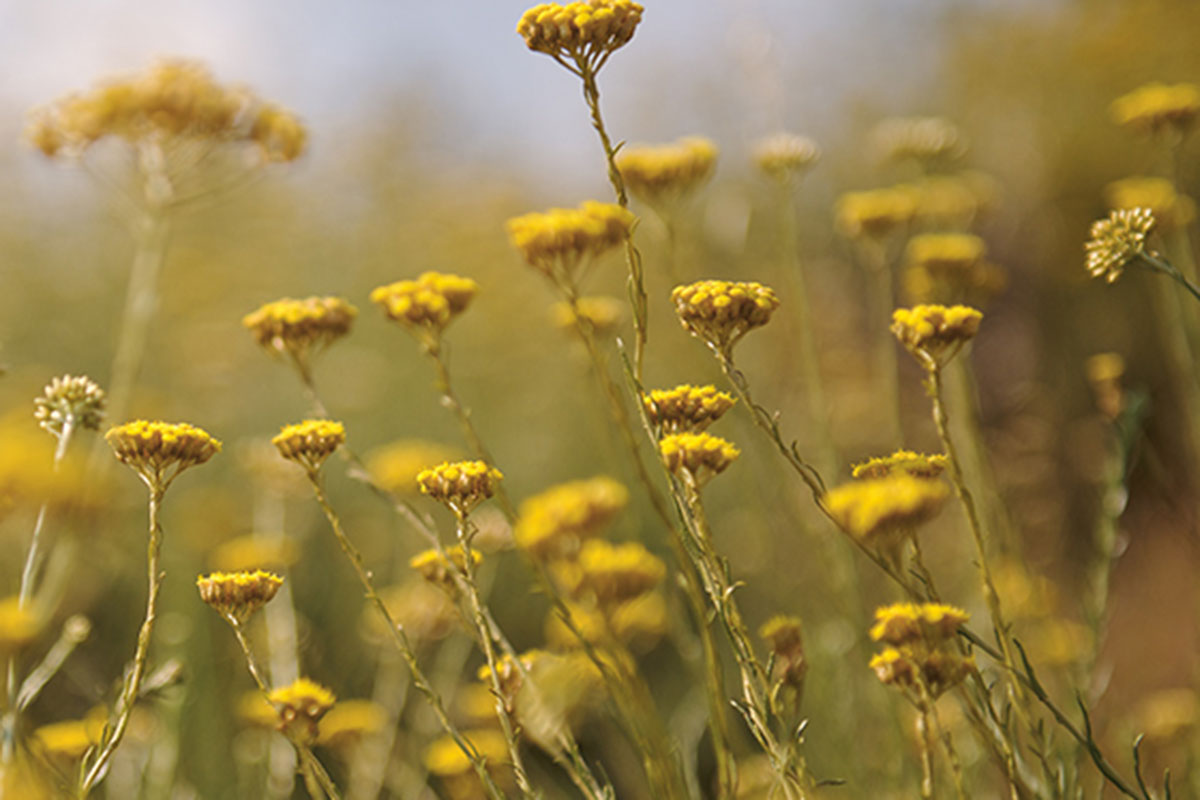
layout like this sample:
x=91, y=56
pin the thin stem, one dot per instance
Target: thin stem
x=1160, y=264
x=947, y=740
x=925, y=743
x=34, y=556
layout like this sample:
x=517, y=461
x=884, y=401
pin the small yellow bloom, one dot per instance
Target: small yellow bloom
x=435, y=568
x=557, y=242
x=584, y=32
x=300, y=705
x=600, y=314
x=686, y=408
x=75, y=401
x=618, y=572
x=663, y=174
x=700, y=455
x=395, y=466
x=722, y=312
x=238, y=594
x=18, y=626
x=300, y=328
x=945, y=252
x=936, y=671
x=279, y=134
x=429, y=303
x=1156, y=106
x=785, y=155
x=1117, y=240
x=70, y=739
x=554, y=523
x=924, y=139
x=639, y=623
x=880, y=511
x=906, y=623
x=310, y=442
x=785, y=636
x=350, y=721
x=159, y=451
x=1170, y=209
x=460, y=485
x=445, y=758
x=906, y=462
x=934, y=334
x=874, y=213
x=244, y=553
x=1168, y=714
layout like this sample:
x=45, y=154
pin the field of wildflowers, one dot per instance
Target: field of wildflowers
x=879, y=496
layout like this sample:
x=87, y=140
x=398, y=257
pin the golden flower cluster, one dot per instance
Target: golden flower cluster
x=18, y=625
x=172, y=100
x=600, y=314
x=427, y=304
x=948, y=267
x=883, y=512
x=349, y=721
x=1157, y=106
x=785, y=155
x=395, y=466
x=159, y=451
x=300, y=706
x=300, y=327
x=460, y=485
x=446, y=760
x=935, y=333
x=698, y=455
x=637, y=624
x=1171, y=210
x=75, y=401
x=556, y=242
x=686, y=408
x=921, y=656
x=238, y=594
x=924, y=139
x=945, y=251
x=661, y=174
x=439, y=569
x=310, y=442
x=70, y=739
x=722, y=312
x=555, y=522
x=584, y=32
x=615, y=573
x=246, y=553
x=874, y=213
x=901, y=462
x=1116, y=240
x=784, y=636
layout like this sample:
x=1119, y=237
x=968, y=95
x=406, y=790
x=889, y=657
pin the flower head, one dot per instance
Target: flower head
x=901, y=462
x=945, y=251
x=239, y=594
x=555, y=522
x=429, y=303
x=557, y=242
x=686, y=408
x=785, y=637
x=70, y=401
x=923, y=672
x=618, y=572
x=934, y=334
x=722, y=312
x=349, y=721
x=662, y=174
x=441, y=569
x=785, y=155
x=584, y=32
x=19, y=625
x=460, y=485
x=698, y=455
x=600, y=314
x=1117, y=240
x=1170, y=209
x=310, y=442
x=906, y=623
x=159, y=451
x=70, y=739
x=1157, y=106
x=300, y=705
x=924, y=139
x=300, y=328
x=395, y=466
x=951, y=201
x=921, y=655
x=445, y=759
x=875, y=213
x=248, y=553
x=883, y=511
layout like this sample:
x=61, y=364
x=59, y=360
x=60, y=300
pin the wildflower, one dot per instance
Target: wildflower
x=585, y=32
x=789, y=666
x=69, y=402
x=280, y=136
x=905, y=462
x=906, y=623
x=924, y=139
x=70, y=739
x=615, y=573
x=18, y=625
x=722, y=312
x=1170, y=209
x=932, y=333
x=300, y=328
x=686, y=408
x=1117, y=240
x=785, y=155
x=159, y=451
x=300, y=706
x=1157, y=106
x=446, y=759
x=641, y=622
x=436, y=568
x=658, y=175
x=555, y=522
x=244, y=553
x=874, y=213
x=933, y=672
x=310, y=442
x=600, y=314
x=429, y=303
x=239, y=594
x=350, y=721
x=460, y=485
x=945, y=251
x=558, y=241
x=884, y=510
x=699, y=456
x=587, y=623
x=395, y=466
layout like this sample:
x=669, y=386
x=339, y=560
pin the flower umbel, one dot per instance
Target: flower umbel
x=903, y=462
x=555, y=522
x=698, y=455
x=440, y=569
x=460, y=485
x=300, y=706
x=159, y=451
x=921, y=657
x=934, y=334
x=310, y=442
x=429, y=303
x=686, y=408
x=583, y=32
x=300, y=328
x=558, y=242
x=75, y=401
x=875, y=213
x=722, y=312
x=1157, y=106
x=1117, y=240
x=663, y=174
x=239, y=594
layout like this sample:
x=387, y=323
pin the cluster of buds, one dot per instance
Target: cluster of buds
x=884, y=512
x=921, y=656
x=159, y=451
x=1117, y=240
x=901, y=462
x=583, y=32
x=933, y=333
x=1170, y=209
x=686, y=408
x=785, y=156
x=784, y=636
x=553, y=524
x=238, y=595
x=428, y=304
x=722, y=312
x=874, y=213
x=310, y=442
x=558, y=241
x=300, y=706
x=924, y=139
x=300, y=328
x=441, y=569
x=1156, y=107
x=460, y=485
x=663, y=174
x=696, y=456
x=70, y=402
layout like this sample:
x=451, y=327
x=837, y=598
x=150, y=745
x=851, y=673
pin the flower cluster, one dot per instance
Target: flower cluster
x=698, y=455
x=615, y=573
x=240, y=594
x=300, y=705
x=883, y=512
x=921, y=656
x=460, y=485
x=427, y=304
x=924, y=139
x=722, y=312
x=556, y=242
x=247, y=553
x=658, y=175
x=784, y=636
x=1116, y=240
x=159, y=451
x=310, y=442
x=901, y=462
x=932, y=333
x=600, y=314
x=584, y=32
x=874, y=213
x=555, y=522
x=395, y=466
x=300, y=327
x=785, y=155
x=1157, y=106
x=1171, y=210
x=18, y=625
x=686, y=408
x=440, y=569
x=945, y=252
x=74, y=401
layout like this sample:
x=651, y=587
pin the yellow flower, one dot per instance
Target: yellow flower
x=301, y=704
x=925, y=139
x=934, y=334
x=238, y=594
x=700, y=455
x=553, y=523
x=874, y=213
x=587, y=622
x=785, y=636
x=310, y=442
x=785, y=155
x=662, y=174
x=906, y=462
x=445, y=758
x=945, y=251
x=280, y=136
x=74, y=401
x=300, y=328
x=350, y=721
x=1156, y=106
x=243, y=553
x=877, y=511
x=1117, y=240
x=18, y=626
x=935, y=671
x=906, y=623
x=1171, y=210
x=600, y=314
x=435, y=568
x=585, y=32
x=429, y=303
x=70, y=739
x=686, y=408
x=460, y=485
x=558, y=241
x=615, y=573
x=722, y=312
x=639, y=623
x=395, y=466
x=159, y=451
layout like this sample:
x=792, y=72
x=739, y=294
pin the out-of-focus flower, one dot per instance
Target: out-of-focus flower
x=1157, y=106
x=1170, y=209
x=437, y=568
x=686, y=408
x=722, y=312
x=1117, y=240
x=924, y=139
x=600, y=314
x=395, y=466
x=19, y=625
x=350, y=721
x=558, y=242
x=660, y=175
x=785, y=637
x=883, y=512
x=784, y=156
x=249, y=552
x=70, y=401
x=70, y=739
x=875, y=213
x=553, y=524
x=300, y=328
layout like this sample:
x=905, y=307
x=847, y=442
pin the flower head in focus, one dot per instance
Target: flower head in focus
x=921, y=657
x=70, y=402
x=460, y=485
x=159, y=451
x=697, y=456
x=300, y=706
x=933, y=333
x=300, y=328
x=1117, y=240
x=559, y=242
x=310, y=442
x=686, y=408
x=722, y=312
x=901, y=462
x=239, y=594
x=425, y=306
x=584, y=33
